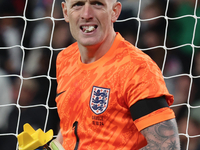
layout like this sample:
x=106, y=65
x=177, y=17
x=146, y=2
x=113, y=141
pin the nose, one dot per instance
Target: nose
x=87, y=12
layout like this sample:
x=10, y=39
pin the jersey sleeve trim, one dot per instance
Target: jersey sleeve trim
x=157, y=116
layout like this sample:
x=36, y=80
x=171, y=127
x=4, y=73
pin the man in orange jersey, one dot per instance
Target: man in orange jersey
x=110, y=94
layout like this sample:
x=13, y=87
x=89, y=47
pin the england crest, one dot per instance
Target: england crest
x=99, y=99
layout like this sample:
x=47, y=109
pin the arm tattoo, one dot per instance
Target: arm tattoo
x=162, y=136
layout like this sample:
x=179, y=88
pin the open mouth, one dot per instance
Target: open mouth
x=88, y=29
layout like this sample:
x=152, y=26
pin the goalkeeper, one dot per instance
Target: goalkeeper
x=110, y=94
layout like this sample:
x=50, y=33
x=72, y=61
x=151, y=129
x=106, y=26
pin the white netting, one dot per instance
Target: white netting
x=33, y=32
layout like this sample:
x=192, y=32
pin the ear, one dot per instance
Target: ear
x=117, y=7
x=64, y=9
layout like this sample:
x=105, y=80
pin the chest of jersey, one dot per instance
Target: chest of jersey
x=96, y=99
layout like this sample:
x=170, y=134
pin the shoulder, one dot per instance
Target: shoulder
x=133, y=60
x=66, y=57
x=68, y=52
x=136, y=56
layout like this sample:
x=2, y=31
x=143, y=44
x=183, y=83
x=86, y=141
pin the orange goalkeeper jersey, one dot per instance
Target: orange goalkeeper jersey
x=94, y=99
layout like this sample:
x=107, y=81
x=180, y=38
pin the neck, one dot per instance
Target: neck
x=92, y=53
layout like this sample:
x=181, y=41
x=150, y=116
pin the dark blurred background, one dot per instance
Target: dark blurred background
x=33, y=32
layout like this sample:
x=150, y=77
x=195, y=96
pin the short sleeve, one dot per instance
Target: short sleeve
x=157, y=116
x=145, y=81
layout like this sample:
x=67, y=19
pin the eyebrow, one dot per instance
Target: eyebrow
x=76, y=1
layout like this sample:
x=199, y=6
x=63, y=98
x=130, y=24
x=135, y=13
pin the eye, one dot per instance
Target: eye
x=77, y=5
x=97, y=4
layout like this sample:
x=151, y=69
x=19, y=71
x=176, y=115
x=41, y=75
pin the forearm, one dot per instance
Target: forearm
x=56, y=144
x=59, y=137
x=163, y=136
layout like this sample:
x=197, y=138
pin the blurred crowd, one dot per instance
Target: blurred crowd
x=28, y=51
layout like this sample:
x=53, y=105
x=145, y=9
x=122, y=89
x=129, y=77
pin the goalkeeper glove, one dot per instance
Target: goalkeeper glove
x=55, y=145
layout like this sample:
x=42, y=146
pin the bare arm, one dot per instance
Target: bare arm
x=60, y=137
x=162, y=136
x=56, y=144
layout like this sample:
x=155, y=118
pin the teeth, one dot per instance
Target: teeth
x=88, y=28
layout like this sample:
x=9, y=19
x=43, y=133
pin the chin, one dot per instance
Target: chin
x=89, y=43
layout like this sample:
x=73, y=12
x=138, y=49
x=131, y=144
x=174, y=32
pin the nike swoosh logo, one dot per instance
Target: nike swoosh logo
x=60, y=93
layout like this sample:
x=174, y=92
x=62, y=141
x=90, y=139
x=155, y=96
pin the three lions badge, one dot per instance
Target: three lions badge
x=99, y=99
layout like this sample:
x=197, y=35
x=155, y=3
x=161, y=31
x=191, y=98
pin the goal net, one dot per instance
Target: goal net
x=32, y=33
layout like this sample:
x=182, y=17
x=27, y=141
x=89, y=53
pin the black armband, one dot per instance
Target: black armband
x=146, y=106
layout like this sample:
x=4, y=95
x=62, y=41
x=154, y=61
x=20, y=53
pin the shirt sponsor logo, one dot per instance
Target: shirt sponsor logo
x=99, y=99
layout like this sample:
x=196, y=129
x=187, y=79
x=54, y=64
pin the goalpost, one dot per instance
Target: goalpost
x=180, y=70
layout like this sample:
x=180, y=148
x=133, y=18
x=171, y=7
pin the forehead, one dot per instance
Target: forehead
x=90, y=0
